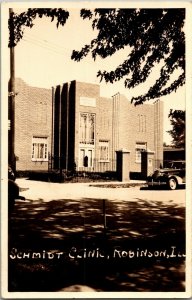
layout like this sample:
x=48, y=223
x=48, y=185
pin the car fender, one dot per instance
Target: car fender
x=178, y=178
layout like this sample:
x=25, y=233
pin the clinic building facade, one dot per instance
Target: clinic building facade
x=71, y=125
x=91, y=129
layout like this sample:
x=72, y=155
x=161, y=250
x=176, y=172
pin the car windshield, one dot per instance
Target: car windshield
x=175, y=165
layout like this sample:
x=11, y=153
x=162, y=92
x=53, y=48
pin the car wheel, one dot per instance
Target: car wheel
x=172, y=183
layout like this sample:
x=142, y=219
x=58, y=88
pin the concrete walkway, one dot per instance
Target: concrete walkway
x=47, y=191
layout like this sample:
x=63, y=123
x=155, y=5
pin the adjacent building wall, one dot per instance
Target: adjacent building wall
x=33, y=117
x=141, y=124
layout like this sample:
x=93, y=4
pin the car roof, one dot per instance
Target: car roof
x=176, y=161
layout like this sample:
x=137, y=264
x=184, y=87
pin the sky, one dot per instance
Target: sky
x=43, y=59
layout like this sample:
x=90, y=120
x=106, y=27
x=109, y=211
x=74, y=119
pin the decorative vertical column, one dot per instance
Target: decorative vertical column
x=123, y=165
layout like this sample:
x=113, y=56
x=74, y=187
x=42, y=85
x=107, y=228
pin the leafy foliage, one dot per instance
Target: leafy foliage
x=177, y=118
x=17, y=22
x=154, y=36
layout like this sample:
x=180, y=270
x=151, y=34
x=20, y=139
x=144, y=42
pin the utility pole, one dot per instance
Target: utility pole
x=11, y=96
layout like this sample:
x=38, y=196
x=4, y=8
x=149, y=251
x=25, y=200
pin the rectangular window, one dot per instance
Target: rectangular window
x=142, y=123
x=41, y=112
x=87, y=128
x=138, y=149
x=39, y=148
x=104, y=151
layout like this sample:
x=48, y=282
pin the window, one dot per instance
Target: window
x=41, y=112
x=104, y=150
x=142, y=123
x=138, y=149
x=87, y=128
x=39, y=148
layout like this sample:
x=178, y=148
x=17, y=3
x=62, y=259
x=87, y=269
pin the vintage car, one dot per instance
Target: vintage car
x=13, y=190
x=171, y=176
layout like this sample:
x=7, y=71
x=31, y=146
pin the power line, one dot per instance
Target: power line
x=50, y=46
x=47, y=43
x=35, y=37
x=40, y=44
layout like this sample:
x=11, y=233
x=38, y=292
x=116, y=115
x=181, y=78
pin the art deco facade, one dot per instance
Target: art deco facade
x=90, y=128
x=72, y=125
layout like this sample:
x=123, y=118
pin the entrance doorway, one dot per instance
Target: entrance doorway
x=86, y=157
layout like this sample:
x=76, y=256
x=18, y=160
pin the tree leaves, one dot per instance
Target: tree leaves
x=177, y=118
x=17, y=22
x=154, y=36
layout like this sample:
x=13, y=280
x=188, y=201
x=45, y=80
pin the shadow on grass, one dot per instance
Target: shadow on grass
x=39, y=230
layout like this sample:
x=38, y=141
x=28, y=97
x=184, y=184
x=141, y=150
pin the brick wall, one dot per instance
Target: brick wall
x=90, y=91
x=136, y=125
x=117, y=121
x=33, y=117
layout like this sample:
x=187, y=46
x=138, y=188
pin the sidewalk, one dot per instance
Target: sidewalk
x=47, y=191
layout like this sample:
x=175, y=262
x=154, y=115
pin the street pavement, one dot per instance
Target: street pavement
x=48, y=191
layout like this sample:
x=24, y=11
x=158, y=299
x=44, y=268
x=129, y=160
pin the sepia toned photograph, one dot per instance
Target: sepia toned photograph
x=96, y=150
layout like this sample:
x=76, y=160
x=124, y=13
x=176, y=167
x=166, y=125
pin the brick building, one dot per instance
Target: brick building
x=33, y=123
x=72, y=123
x=89, y=129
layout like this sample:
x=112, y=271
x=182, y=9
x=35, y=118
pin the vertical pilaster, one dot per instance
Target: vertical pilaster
x=123, y=165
